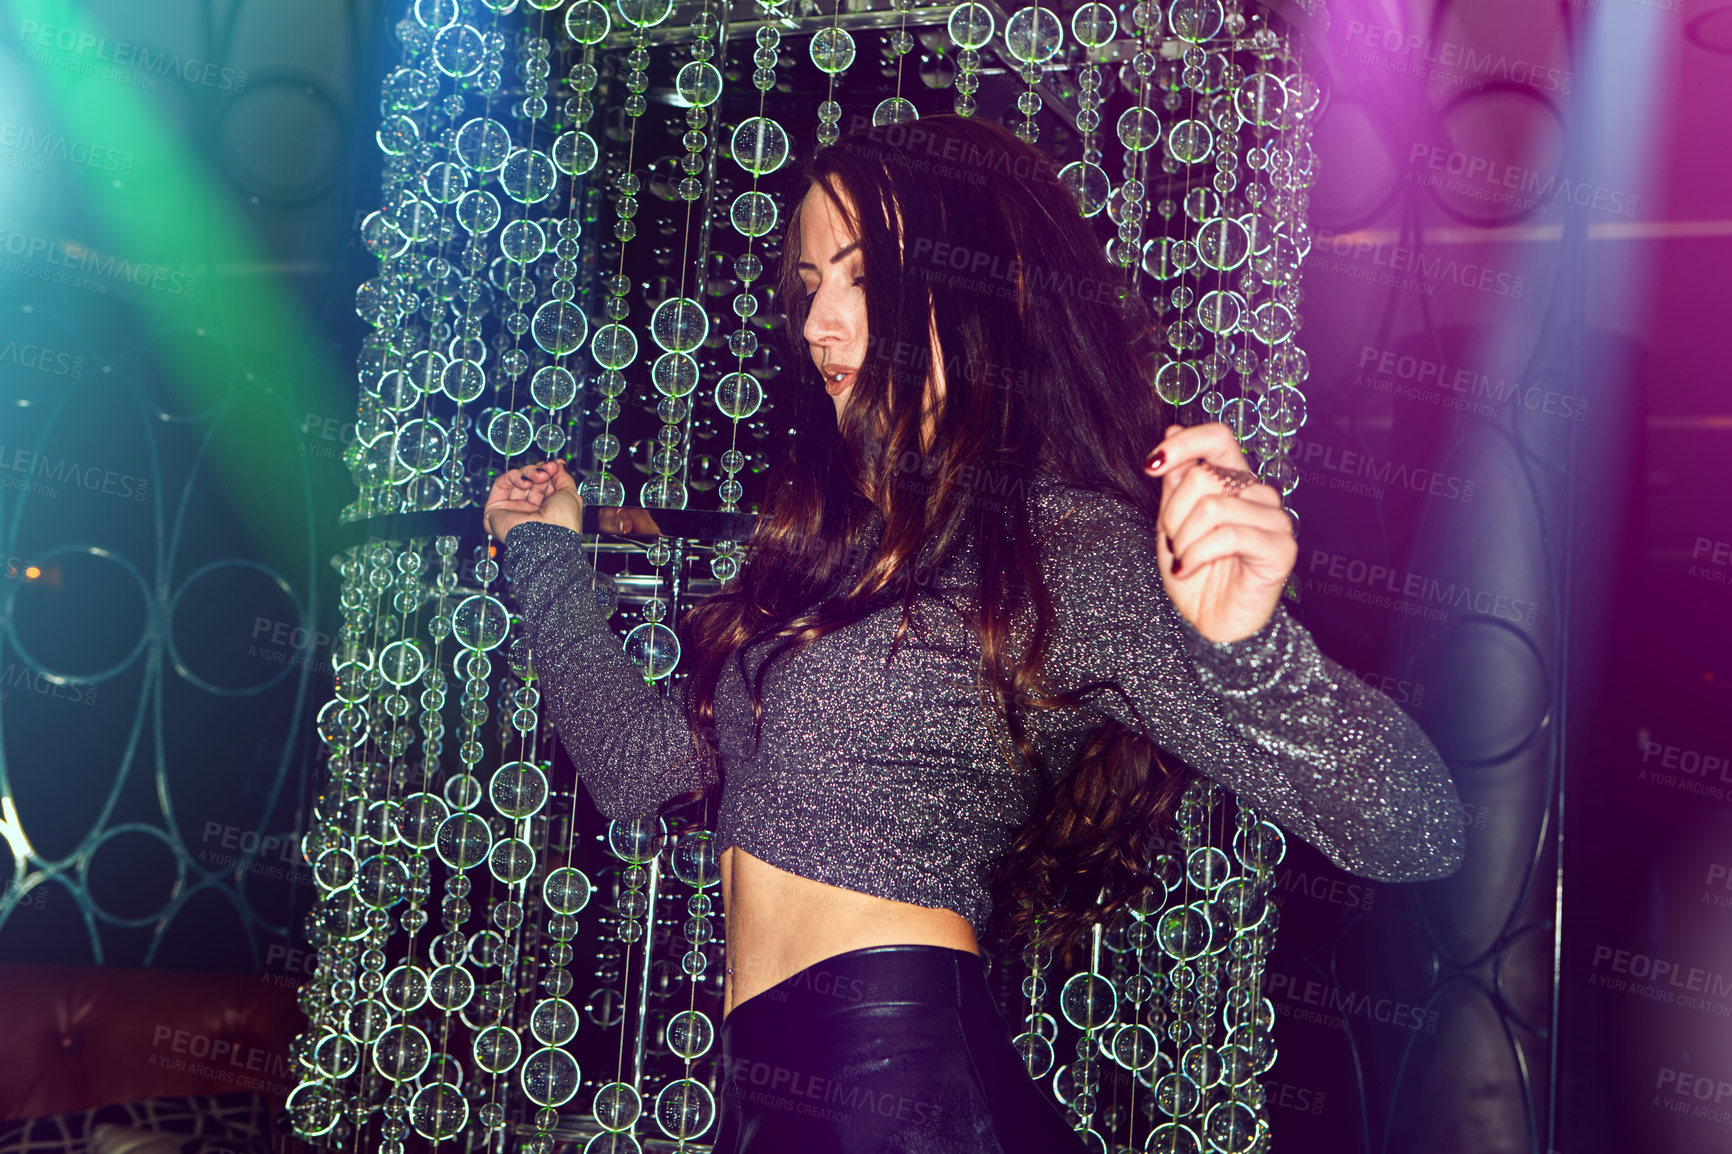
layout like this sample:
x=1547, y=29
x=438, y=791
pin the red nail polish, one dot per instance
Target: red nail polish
x=1156, y=461
x=1175, y=565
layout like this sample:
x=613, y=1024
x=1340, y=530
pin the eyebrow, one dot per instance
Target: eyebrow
x=840, y=253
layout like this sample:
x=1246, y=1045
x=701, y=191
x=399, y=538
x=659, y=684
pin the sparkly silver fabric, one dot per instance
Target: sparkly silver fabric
x=889, y=778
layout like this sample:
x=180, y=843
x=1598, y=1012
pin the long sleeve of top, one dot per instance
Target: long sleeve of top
x=1314, y=748
x=879, y=770
x=629, y=739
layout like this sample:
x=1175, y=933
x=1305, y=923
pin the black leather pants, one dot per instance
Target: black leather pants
x=886, y=1050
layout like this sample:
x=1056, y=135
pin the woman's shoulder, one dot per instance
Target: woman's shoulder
x=1096, y=547
x=1060, y=503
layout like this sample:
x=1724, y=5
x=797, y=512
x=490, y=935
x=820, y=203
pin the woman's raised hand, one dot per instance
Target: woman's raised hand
x=544, y=492
x=1225, y=545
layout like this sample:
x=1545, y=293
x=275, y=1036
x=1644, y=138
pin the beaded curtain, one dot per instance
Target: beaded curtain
x=578, y=204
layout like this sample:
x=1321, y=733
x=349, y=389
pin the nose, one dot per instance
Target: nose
x=827, y=323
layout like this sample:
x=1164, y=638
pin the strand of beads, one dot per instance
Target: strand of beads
x=463, y=839
x=1139, y=130
x=433, y=682
x=1035, y=1042
x=349, y=916
x=1183, y=934
x=1288, y=106
x=897, y=109
x=680, y=324
x=1208, y=134
x=483, y=149
x=760, y=147
x=327, y=1052
x=1107, y=1112
x=550, y=1076
x=553, y=1021
x=685, y=1107
x=385, y=876
x=739, y=394
x=1088, y=1001
x=519, y=791
x=574, y=153
x=1103, y=1116
x=1170, y=258
x=559, y=328
x=388, y=389
x=565, y=891
x=407, y=987
x=406, y=282
x=528, y=177
x=970, y=28
x=400, y=1049
x=1093, y=26
x=618, y=1104
x=695, y=864
x=614, y=346
x=1136, y=1044
x=674, y=374
x=832, y=51
x=1249, y=1047
x=700, y=83
x=1032, y=36
x=322, y=1053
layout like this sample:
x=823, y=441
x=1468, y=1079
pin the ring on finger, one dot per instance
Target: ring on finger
x=1233, y=479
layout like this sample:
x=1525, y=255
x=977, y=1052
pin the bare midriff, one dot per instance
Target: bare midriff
x=779, y=923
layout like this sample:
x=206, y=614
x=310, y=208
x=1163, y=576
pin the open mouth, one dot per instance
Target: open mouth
x=838, y=378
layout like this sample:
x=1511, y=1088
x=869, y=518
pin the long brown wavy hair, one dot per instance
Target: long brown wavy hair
x=967, y=234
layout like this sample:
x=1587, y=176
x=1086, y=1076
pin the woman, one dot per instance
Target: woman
x=969, y=639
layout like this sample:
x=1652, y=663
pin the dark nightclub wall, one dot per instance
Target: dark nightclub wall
x=177, y=189
x=1512, y=522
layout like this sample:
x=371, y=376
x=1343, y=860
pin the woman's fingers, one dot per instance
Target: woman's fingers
x=1269, y=553
x=503, y=493
x=518, y=493
x=1180, y=494
x=546, y=470
x=1177, y=461
x=1202, y=486
x=1199, y=486
x=1216, y=510
x=558, y=478
x=1183, y=446
x=503, y=514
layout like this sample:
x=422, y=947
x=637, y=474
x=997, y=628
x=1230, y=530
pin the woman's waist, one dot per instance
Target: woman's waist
x=780, y=923
x=853, y=872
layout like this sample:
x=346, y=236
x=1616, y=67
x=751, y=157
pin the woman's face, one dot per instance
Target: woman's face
x=831, y=269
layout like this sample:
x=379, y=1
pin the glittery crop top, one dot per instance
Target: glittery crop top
x=890, y=779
